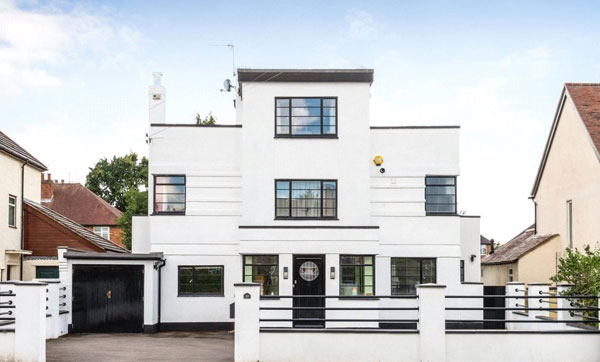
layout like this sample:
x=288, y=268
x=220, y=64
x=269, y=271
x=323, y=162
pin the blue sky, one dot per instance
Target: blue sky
x=74, y=75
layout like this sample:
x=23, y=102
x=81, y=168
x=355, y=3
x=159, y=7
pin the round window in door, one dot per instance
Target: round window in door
x=309, y=271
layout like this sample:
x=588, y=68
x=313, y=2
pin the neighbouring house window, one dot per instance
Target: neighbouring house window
x=201, y=280
x=12, y=211
x=263, y=269
x=570, y=223
x=103, y=231
x=46, y=272
x=169, y=194
x=462, y=271
x=440, y=195
x=483, y=249
x=305, y=117
x=510, y=275
x=408, y=272
x=305, y=199
x=357, y=275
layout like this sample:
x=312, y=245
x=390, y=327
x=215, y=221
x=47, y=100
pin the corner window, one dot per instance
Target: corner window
x=357, y=275
x=169, y=194
x=440, y=195
x=305, y=199
x=103, y=231
x=462, y=271
x=200, y=280
x=46, y=272
x=263, y=269
x=408, y=272
x=12, y=211
x=302, y=117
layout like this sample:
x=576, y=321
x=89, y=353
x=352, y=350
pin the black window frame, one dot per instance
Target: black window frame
x=14, y=211
x=420, y=273
x=362, y=265
x=154, y=211
x=194, y=294
x=244, y=264
x=290, y=135
x=290, y=217
x=462, y=271
x=39, y=268
x=438, y=213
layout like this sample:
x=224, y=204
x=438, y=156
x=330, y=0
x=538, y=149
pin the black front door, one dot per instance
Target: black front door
x=108, y=298
x=309, y=279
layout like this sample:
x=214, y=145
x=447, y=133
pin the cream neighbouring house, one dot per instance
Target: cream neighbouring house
x=20, y=178
x=566, y=192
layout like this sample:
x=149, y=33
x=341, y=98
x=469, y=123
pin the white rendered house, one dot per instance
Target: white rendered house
x=303, y=196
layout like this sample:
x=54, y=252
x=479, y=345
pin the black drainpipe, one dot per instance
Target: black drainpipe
x=22, y=219
x=160, y=266
x=534, y=215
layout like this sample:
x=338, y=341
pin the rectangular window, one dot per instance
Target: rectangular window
x=103, y=231
x=305, y=199
x=440, y=195
x=169, y=194
x=263, y=269
x=408, y=272
x=570, y=223
x=46, y=272
x=200, y=280
x=12, y=211
x=462, y=271
x=483, y=249
x=357, y=276
x=301, y=117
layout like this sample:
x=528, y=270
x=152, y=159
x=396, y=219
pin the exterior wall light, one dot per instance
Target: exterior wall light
x=285, y=272
x=332, y=272
x=473, y=256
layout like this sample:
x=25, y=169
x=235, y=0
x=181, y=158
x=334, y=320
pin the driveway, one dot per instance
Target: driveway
x=165, y=346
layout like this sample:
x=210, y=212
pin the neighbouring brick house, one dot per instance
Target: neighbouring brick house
x=81, y=205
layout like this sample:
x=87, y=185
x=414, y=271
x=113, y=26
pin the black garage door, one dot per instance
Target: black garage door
x=108, y=298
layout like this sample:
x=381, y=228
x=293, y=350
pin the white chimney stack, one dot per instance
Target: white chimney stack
x=156, y=100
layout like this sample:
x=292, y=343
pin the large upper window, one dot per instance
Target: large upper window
x=263, y=269
x=12, y=211
x=306, y=199
x=440, y=195
x=357, y=275
x=305, y=117
x=408, y=272
x=200, y=280
x=169, y=194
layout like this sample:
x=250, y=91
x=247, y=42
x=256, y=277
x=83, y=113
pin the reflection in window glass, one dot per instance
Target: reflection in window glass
x=305, y=116
x=305, y=199
x=169, y=194
x=200, y=280
x=357, y=275
x=263, y=269
x=408, y=272
x=440, y=195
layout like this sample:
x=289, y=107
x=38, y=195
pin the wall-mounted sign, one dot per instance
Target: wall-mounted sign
x=247, y=296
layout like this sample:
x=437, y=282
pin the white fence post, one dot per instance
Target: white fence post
x=247, y=333
x=541, y=293
x=432, y=322
x=30, y=321
x=516, y=289
x=52, y=303
x=564, y=315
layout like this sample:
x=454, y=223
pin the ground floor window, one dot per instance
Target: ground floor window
x=357, y=275
x=46, y=272
x=462, y=271
x=408, y=272
x=263, y=269
x=200, y=280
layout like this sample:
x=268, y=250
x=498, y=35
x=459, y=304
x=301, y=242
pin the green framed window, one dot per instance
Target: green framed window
x=357, y=275
x=204, y=280
x=263, y=269
x=408, y=272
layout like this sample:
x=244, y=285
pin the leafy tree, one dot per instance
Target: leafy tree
x=582, y=269
x=137, y=204
x=208, y=120
x=113, y=179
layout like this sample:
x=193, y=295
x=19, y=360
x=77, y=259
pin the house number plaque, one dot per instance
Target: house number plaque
x=247, y=296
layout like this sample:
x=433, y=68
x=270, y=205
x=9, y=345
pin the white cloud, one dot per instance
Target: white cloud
x=360, y=23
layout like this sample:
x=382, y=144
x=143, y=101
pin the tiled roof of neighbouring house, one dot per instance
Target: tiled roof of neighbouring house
x=520, y=245
x=97, y=240
x=586, y=97
x=12, y=148
x=484, y=241
x=81, y=205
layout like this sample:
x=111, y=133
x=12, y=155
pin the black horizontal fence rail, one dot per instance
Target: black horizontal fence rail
x=544, y=297
x=319, y=322
x=6, y=314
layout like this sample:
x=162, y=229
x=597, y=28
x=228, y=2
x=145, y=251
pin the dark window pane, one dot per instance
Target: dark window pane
x=263, y=269
x=408, y=272
x=440, y=195
x=357, y=275
x=186, y=280
x=434, y=180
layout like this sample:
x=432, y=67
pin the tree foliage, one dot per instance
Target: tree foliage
x=582, y=270
x=113, y=179
x=137, y=204
x=208, y=120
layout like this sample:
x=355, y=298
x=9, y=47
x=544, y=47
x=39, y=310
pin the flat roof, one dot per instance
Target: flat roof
x=305, y=75
x=112, y=256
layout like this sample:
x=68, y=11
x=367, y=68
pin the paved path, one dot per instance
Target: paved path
x=166, y=346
